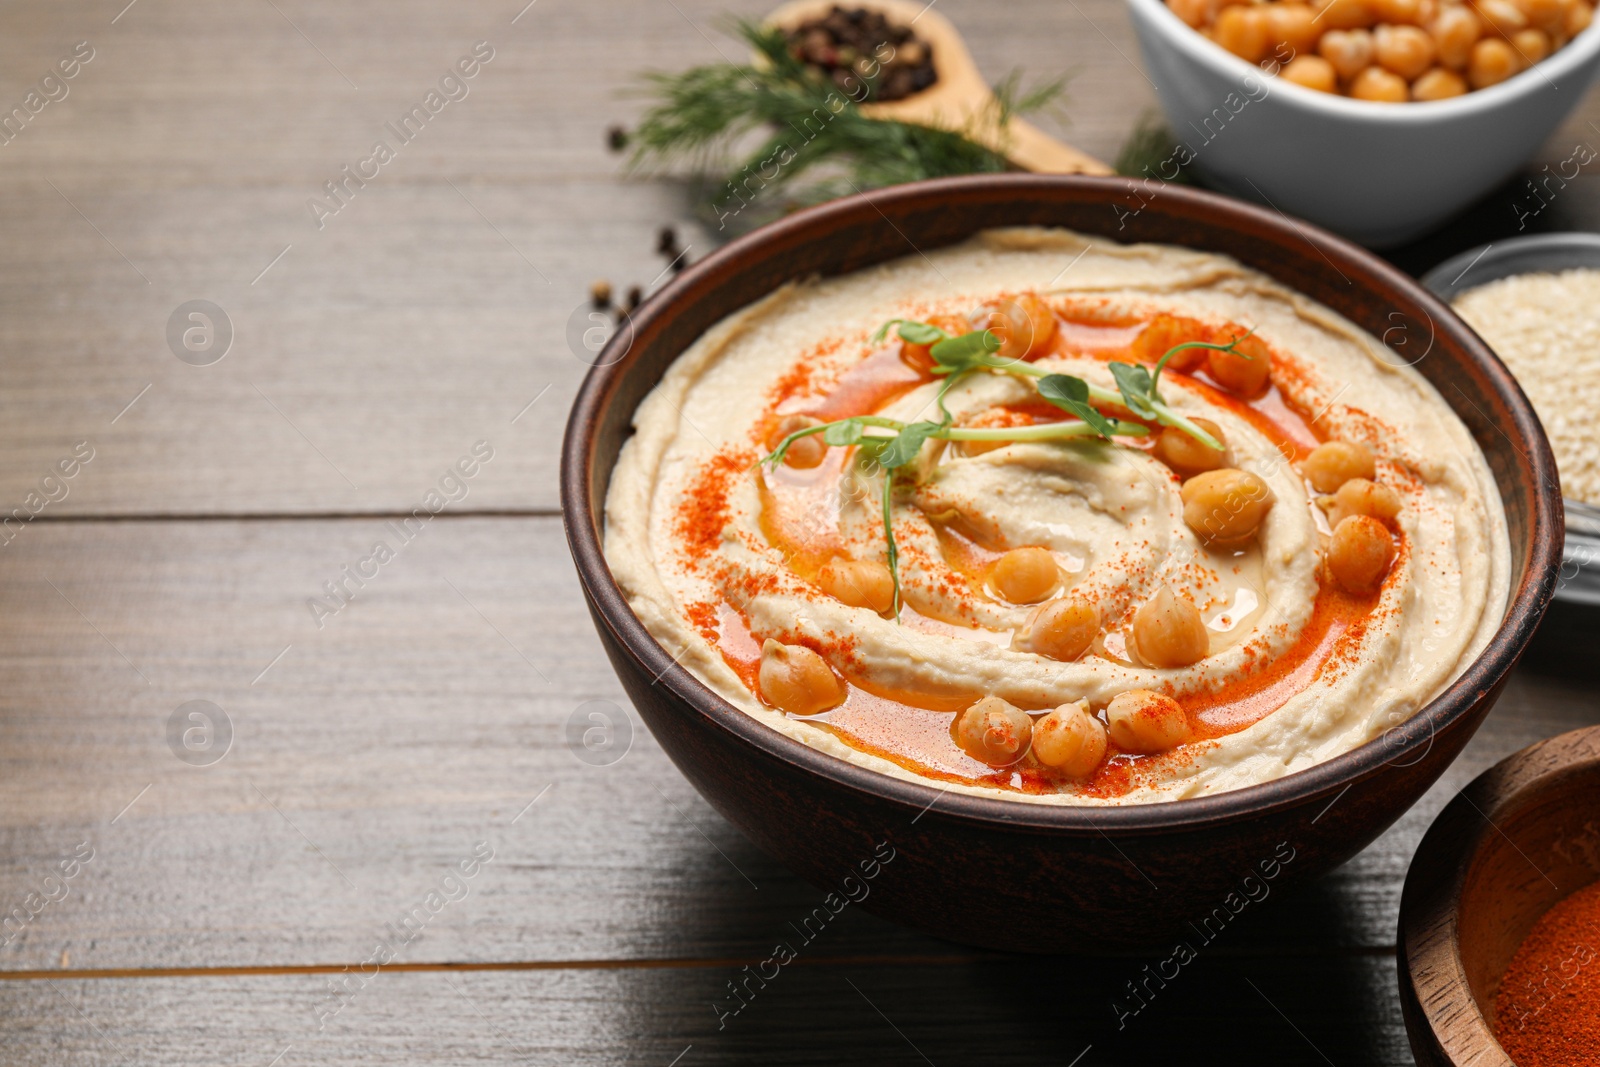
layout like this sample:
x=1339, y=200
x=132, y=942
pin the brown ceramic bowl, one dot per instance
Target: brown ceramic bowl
x=1084, y=878
x=1522, y=836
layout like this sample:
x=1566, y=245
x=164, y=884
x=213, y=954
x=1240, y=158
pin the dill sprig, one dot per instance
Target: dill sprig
x=1151, y=151
x=701, y=116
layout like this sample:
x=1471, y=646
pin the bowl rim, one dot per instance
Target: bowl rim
x=1443, y=280
x=1432, y=973
x=1563, y=62
x=1401, y=746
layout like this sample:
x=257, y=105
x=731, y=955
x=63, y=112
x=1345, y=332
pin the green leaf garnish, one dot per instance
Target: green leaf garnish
x=775, y=457
x=1133, y=382
x=1140, y=388
x=957, y=356
x=844, y=433
x=911, y=331
x=1072, y=395
x=967, y=352
x=921, y=333
x=905, y=445
x=1231, y=346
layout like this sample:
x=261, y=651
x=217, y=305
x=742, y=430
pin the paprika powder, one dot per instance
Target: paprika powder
x=1547, y=1013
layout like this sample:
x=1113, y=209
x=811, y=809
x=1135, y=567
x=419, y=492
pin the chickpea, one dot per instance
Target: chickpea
x=1455, y=31
x=796, y=680
x=1346, y=15
x=1070, y=740
x=1397, y=12
x=1226, y=506
x=1294, y=26
x=1360, y=553
x=993, y=732
x=1246, y=370
x=1548, y=15
x=1169, y=632
x=1060, y=629
x=1165, y=332
x=952, y=324
x=804, y=454
x=1579, y=15
x=1333, y=463
x=1406, y=50
x=1195, y=12
x=1042, y=317
x=858, y=583
x=1313, y=72
x=1025, y=327
x=1360, y=496
x=1026, y=575
x=1379, y=85
x=978, y=448
x=920, y=357
x=1186, y=455
x=1492, y=62
x=1244, y=31
x=1147, y=722
x=1438, y=84
x=1503, y=17
x=1531, y=45
x=1350, y=51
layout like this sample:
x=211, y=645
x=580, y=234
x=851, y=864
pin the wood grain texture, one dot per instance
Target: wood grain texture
x=424, y=315
x=1286, y=1010
x=404, y=731
x=1501, y=855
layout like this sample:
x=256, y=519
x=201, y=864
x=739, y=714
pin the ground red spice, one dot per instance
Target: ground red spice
x=1547, y=1013
x=796, y=382
x=703, y=511
x=703, y=617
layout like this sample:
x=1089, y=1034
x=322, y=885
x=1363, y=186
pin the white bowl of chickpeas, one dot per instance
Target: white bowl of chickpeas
x=1378, y=119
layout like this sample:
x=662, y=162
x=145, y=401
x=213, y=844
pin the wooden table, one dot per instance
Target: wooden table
x=230, y=911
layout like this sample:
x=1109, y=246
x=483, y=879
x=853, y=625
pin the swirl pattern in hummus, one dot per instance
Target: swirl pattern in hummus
x=717, y=555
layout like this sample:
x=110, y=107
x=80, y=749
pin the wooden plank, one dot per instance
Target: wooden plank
x=430, y=310
x=992, y=1011
x=359, y=370
x=375, y=752
x=276, y=108
x=424, y=316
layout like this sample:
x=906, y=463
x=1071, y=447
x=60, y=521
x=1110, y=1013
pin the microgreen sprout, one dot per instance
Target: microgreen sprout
x=1139, y=388
x=896, y=443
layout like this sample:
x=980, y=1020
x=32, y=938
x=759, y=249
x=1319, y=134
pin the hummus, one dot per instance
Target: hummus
x=1368, y=574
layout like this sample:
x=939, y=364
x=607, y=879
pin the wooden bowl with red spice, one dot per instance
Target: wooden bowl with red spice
x=1007, y=874
x=1500, y=918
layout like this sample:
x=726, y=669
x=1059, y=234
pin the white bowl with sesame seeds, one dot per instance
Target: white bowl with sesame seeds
x=1536, y=300
x=1379, y=173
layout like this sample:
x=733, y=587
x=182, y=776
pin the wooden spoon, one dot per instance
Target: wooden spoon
x=960, y=100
